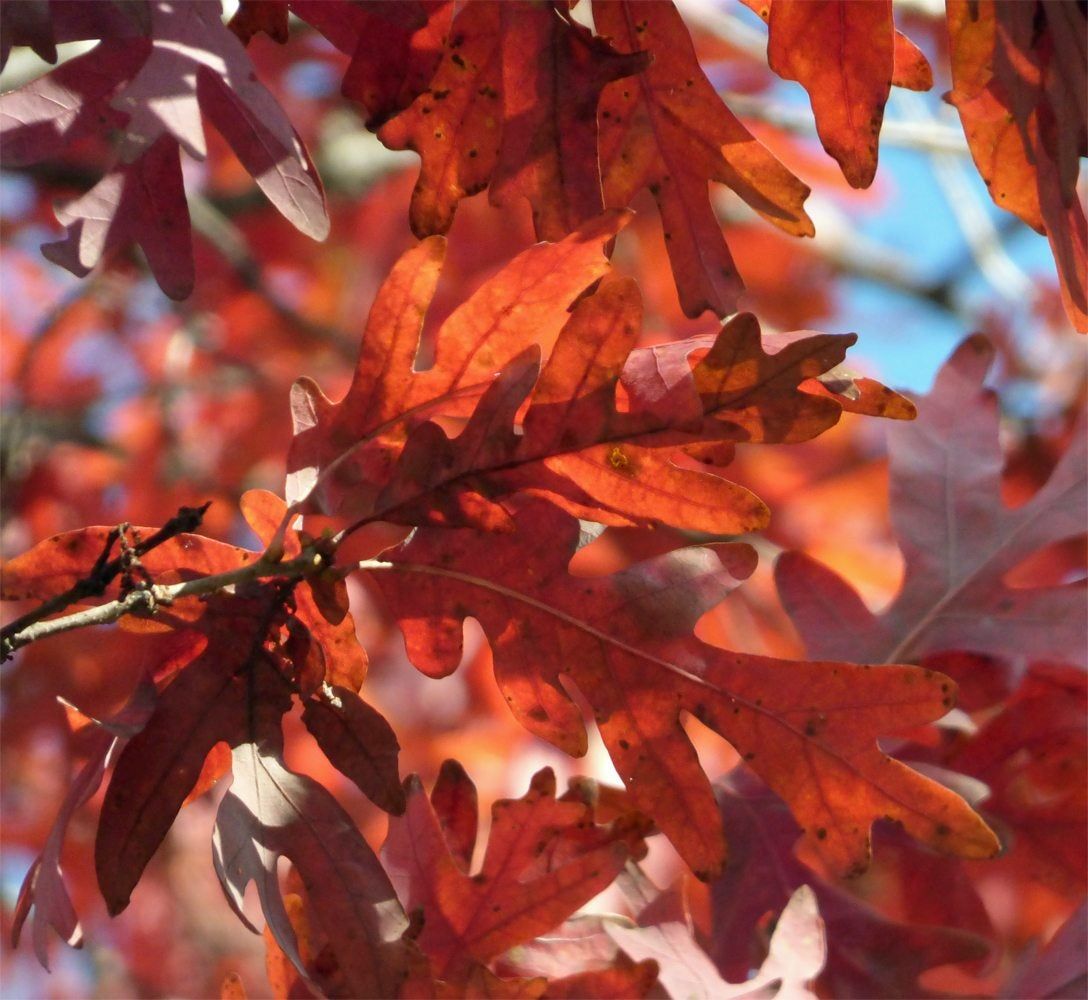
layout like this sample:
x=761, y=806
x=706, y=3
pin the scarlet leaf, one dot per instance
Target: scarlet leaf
x=359, y=742
x=842, y=53
x=454, y=801
x=372, y=456
x=762, y=874
x=215, y=698
x=477, y=340
x=57, y=564
x=1019, y=83
x=667, y=130
x=1033, y=757
x=452, y=125
x=958, y=539
x=626, y=642
x=544, y=859
x=271, y=812
x=553, y=72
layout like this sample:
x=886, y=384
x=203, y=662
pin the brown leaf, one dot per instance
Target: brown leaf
x=359, y=742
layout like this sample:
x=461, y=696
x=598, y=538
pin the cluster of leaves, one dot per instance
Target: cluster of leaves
x=523, y=100
x=471, y=463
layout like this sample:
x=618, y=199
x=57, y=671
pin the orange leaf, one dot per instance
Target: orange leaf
x=553, y=72
x=456, y=124
x=667, y=130
x=843, y=54
x=809, y=729
x=1019, y=82
x=545, y=858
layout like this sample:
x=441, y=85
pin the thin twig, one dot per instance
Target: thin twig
x=100, y=576
x=146, y=600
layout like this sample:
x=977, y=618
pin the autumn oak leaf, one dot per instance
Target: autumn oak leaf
x=626, y=642
x=153, y=90
x=268, y=813
x=1019, y=79
x=668, y=131
x=545, y=858
x=762, y=874
x=607, y=431
x=959, y=540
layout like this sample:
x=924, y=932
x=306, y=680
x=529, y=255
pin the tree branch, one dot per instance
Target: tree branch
x=145, y=601
x=102, y=574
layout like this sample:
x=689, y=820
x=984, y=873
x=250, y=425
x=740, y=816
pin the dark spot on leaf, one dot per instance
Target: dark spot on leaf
x=821, y=833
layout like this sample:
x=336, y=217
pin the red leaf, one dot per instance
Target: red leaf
x=1034, y=757
x=544, y=859
x=667, y=130
x=271, y=812
x=453, y=124
x=370, y=456
x=626, y=642
x=958, y=539
x=57, y=564
x=359, y=742
x=842, y=53
x=1019, y=82
x=764, y=871
x=553, y=72
x=213, y=699
x=454, y=801
x=395, y=48
x=480, y=338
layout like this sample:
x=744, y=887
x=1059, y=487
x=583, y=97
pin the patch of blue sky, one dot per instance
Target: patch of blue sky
x=17, y=197
x=313, y=78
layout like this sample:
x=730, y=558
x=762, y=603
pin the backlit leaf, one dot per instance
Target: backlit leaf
x=626, y=642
